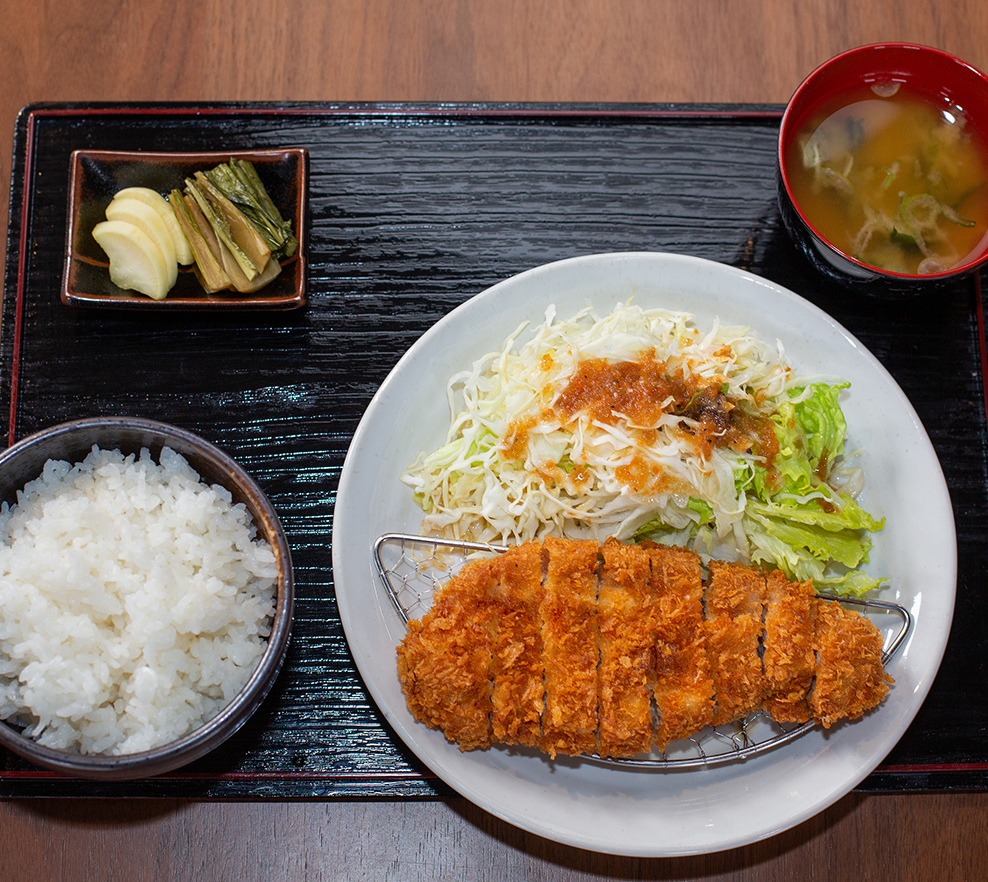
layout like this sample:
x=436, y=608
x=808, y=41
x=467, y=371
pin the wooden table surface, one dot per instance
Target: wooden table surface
x=453, y=50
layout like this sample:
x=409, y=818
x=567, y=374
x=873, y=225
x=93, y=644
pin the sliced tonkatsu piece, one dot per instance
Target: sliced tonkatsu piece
x=519, y=694
x=849, y=676
x=684, y=690
x=570, y=635
x=624, y=699
x=445, y=659
x=789, y=657
x=733, y=627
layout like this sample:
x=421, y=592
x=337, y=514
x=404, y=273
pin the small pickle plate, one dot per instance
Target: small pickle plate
x=97, y=175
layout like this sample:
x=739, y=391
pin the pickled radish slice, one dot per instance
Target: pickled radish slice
x=136, y=262
x=183, y=252
x=146, y=219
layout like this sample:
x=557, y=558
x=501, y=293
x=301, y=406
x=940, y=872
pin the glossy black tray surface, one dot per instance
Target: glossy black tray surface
x=413, y=209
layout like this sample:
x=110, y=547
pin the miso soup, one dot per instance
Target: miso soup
x=893, y=180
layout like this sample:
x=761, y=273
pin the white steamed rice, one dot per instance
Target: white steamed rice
x=135, y=602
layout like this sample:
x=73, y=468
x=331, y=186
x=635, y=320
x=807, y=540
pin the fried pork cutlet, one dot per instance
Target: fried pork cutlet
x=445, y=662
x=519, y=694
x=569, y=647
x=850, y=678
x=789, y=658
x=576, y=649
x=684, y=690
x=733, y=629
x=624, y=675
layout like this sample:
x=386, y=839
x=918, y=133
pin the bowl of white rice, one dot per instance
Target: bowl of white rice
x=146, y=596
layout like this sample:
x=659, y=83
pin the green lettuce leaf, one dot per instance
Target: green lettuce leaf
x=850, y=515
x=847, y=547
x=793, y=519
x=810, y=434
x=822, y=421
x=703, y=509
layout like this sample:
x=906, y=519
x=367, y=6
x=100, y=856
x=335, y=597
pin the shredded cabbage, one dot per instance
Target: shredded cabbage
x=747, y=463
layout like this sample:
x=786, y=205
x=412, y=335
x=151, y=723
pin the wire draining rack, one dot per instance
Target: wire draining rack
x=413, y=567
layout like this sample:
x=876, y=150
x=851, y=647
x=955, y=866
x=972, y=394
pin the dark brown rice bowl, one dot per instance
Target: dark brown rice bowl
x=73, y=441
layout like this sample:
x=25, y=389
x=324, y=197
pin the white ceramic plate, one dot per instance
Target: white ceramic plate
x=631, y=811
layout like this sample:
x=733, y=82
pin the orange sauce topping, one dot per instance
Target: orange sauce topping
x=640, y=392
x=514, y=444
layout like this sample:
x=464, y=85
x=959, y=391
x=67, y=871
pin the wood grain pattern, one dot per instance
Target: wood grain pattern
x=862, y=837
x=499, y=50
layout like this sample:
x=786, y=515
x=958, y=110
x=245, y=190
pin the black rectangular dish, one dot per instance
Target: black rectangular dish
x=98, y=176
x=412, y=209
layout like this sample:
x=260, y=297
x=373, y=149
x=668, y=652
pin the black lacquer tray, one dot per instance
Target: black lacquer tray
x=413, y=209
